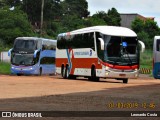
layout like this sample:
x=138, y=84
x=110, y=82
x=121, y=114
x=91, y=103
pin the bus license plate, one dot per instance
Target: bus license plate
x=122, y=75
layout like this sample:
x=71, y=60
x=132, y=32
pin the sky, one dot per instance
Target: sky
x=146, y=8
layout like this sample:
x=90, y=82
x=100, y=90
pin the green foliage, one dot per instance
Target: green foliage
x=13, y=24
x=3, y=46
x=33, y=9
x=138, y=25
x=143, y=36
x=93, y=21
x=146, y=59
x=151, y=28
x=100, y=14
x=52, y=10
x=76, y=7
x=111, y=18
x=146, y=31
x=2, y=3
x=13, y=2
x=5, y=68
x=71, y=22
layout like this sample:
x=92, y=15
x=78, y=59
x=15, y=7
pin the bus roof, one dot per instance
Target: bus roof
x=156, y=37
x=35, y=38
x=107, y=30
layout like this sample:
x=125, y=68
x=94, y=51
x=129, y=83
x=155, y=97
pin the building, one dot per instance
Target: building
x=127, y=19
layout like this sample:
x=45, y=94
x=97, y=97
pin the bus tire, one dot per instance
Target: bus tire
x=63, y=71
x=125, y=80
x=66, y=73
x=73, y=77
x=40, y=71
x=19, y=74
x=93, y=75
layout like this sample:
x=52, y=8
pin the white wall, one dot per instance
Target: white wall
x=4, y=56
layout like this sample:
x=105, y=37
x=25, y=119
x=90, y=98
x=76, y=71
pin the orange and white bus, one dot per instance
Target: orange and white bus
x=98, y=52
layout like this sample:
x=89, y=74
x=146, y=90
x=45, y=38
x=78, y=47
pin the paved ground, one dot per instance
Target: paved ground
x=52, y=93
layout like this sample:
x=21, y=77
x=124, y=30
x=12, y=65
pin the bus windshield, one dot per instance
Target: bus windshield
x=26, y=45
x=121, y=50
x=22, y=59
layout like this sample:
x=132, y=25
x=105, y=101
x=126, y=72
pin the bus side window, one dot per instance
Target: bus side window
x=61, y=43
x=47, y=60
x=158, y=45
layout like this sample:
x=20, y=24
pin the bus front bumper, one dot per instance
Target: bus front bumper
x=122, y=73
x=25, y=70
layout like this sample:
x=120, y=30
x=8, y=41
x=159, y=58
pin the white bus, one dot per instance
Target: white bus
x=156, y=57
x=98, y=52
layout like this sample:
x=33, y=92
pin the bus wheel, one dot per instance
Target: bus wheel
x=93, y=75
x=66, y=72
x=72, y=77
x=40, y=71
x=63, y=72
x=18, y=74
x=125, y=80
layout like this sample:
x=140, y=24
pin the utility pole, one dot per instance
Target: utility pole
x=42, y=17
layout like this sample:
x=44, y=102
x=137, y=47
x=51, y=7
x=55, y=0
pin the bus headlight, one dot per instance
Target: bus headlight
x=107, y=68
x=136, y=75
x=107, y=73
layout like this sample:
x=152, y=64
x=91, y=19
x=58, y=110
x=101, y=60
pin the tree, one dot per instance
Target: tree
x=2, y=3
x=101, y=15
x=113, y=17
x=12, y=3
x=93, y=21
x=138, y=25
x=146, y=30
x=13, y=24
x=71, y=22
x=76, y=7
x=143, y=36
x=52, y=9
x=151, y=28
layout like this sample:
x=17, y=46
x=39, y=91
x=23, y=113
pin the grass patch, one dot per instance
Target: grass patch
x=5, y=68
x=146, y=59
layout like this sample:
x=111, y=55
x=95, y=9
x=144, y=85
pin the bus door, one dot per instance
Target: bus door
x=156, y=57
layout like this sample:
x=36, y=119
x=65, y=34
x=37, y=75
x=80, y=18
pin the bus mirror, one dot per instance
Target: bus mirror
x=142, y=45
x=43, y=47
x=101, y=43
x=35, y=53
x=9, y=52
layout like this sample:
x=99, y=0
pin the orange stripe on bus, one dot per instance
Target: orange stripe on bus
x=88, y=62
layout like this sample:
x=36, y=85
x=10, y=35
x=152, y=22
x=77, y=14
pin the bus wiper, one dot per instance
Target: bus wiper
x=126, y=54
x=123, y=47
x=113, y=62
